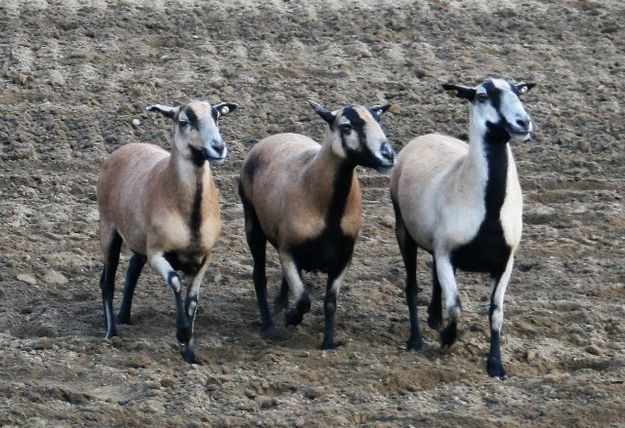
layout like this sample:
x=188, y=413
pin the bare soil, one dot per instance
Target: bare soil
x=73, y=76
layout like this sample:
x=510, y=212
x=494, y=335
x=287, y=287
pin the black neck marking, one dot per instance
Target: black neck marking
x=341, y=187
x=488, y=251
x=496, y=152
x=197, y=157
x=195, y=222
x=331, y=250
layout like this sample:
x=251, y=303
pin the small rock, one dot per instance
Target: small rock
x=117, y=342
x=136, y=122
x=312, y=393
x=54, y=277
x=300, y=423
x=395, y=109
x=388, y=221
x=264, y=384
x=265, y=402
x=584, y=147
x=44, y=344
x=167, y=383
x=530, y=355
x=594, y=350
x=250, y=393
x=28, y=279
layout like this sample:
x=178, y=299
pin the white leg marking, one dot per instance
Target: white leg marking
x=447, y=280
x=497, y=299
x=292, y=275
x=338, y=281
x=162, y=266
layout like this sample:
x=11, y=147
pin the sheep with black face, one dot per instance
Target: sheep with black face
x=463, y=204
x=304, y=198
x=165, y=207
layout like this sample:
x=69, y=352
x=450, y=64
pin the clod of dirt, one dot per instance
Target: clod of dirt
x=54, y=277
x=265, y=402
x=28, y=279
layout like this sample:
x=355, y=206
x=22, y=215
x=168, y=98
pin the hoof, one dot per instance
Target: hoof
x=293, y=318
x=111, y=334
x=123, y=319
x=415, y=344
x=449, y=335
x=269, y=332
x=495, y=368
x=188, y=355
x=435, y=321
x=326, y=345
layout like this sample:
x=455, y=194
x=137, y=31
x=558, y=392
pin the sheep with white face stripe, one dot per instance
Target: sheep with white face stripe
x=165, y=207
x=304, y=198
x=462, y=203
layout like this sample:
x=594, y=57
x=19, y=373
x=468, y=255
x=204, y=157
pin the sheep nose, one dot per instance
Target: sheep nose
x=218, y=146
x=523, y=123
x=387, y=151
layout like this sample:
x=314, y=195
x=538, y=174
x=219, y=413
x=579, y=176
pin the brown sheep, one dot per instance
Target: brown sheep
x=304, y=198
x=165, y=207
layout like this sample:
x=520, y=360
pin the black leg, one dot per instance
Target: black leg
x=281, y=301
x=435, y=308
x=184, y=331
x=257, y=242
x=295, y=316
x=135, y=265
x=494, y=366
x=107, y=282
x=408, y=249
x=329, y=307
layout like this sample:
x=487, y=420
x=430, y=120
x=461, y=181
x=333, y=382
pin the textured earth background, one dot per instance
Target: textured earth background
x=74, y=75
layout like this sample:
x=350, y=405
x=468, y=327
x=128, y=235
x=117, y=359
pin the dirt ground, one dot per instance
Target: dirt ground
x=74, y=74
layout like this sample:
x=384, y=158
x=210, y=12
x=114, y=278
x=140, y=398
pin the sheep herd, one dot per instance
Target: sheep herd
x=459, y=202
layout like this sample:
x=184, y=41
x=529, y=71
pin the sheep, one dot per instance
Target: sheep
x=165, y=207
x=304, y=198
x=463, y=204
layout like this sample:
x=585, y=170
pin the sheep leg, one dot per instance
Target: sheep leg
x=183, y=326
x=107, y=280
x=302, y=302
x=135, y=265
x=408, y=250
x=257, y=241
x=447, y=279
x=329, y=306
x=281, y=302
x=435, y=308
x=495, y=316
x=190, y=308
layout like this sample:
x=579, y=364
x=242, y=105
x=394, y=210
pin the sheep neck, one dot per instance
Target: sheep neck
x=331, y=177
x=486, y=165
x=189, y=185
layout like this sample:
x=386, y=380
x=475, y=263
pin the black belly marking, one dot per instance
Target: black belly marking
x=488, y=252
x=328, y=253
x=187, y=262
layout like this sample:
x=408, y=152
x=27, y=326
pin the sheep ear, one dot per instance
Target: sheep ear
x=325, y=114
x=463, y=92
x=166, y=111
x=524, y=88
x=224, y=108
x=379, y=110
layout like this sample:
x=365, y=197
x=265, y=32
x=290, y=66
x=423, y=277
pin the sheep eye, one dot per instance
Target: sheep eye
x=481, y=97
x=183, y=123
x=345, y=128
